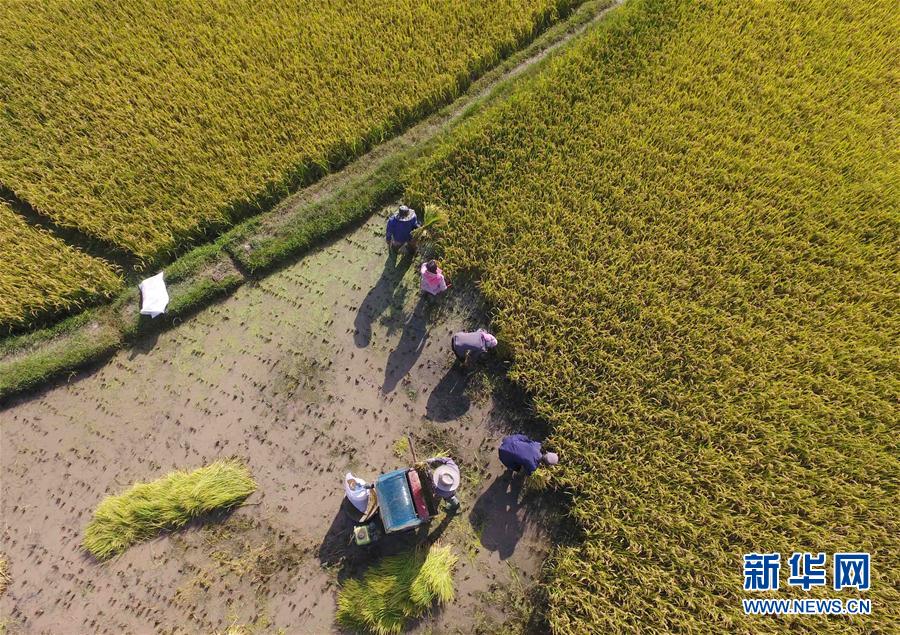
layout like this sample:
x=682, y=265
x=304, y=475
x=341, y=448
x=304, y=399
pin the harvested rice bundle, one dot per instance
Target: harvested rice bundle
x=167, y=503
x=397, y=590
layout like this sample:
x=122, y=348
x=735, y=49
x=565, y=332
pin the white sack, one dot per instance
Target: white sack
x=154, y=296
x=360, y=496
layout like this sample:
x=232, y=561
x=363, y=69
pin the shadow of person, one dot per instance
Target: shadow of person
x=380, y=297
x=412, y=342
x=498, y=516
x=448, y=400
x=436, y=531
x=337, y=545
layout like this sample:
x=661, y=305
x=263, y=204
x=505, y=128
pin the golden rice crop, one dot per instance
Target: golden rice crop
x=167, y=503
x=40, y=274
x=688, y=224
x=145, y=122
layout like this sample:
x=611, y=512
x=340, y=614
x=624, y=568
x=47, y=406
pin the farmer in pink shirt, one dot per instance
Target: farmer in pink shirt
x=433, y=280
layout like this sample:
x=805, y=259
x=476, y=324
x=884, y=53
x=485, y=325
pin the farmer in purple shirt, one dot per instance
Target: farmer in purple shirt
x=400, y=227
x=517, y=452
x=471, y=345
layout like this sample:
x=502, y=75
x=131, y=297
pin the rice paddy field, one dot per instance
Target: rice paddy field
x=324, y=367
x=682, y=224
x=688, y=225
x=147, y=124
x=44, y=275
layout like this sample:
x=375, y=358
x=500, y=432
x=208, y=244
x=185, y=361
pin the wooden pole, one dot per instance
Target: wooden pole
x=412, y=448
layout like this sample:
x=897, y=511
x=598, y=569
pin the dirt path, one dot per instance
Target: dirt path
x=318, y=369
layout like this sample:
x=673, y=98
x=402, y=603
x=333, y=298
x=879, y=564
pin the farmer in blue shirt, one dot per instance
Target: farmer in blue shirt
x=519, y=452
x=400, y=227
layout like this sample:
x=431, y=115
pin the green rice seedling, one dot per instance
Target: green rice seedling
x=396, y=590
x=42, y=275
x=167, y=503
x=688, y=227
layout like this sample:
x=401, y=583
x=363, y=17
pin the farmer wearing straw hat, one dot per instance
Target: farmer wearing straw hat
x=446, y=478
x=399, y=230
x=471, y=345
x=518, y=452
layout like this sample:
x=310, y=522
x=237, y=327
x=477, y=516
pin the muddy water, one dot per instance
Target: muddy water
x=317, y=369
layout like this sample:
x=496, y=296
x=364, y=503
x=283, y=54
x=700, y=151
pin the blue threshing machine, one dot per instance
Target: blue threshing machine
x=401, y=500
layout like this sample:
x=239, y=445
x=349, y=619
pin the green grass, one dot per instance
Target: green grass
x=688, y=225
x=396, y=590
x=167, y=503
x=264, y=242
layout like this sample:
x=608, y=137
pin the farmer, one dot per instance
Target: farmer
x=400, y=227
x=517, y=452
x=433, y=280
x=471, y=345
x=446, y=478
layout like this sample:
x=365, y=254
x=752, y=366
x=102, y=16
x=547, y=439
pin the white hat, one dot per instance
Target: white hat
x=550, y=458
x=446, y=478
x=489, y=340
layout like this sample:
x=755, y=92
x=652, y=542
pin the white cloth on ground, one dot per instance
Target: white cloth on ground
x=154, y=297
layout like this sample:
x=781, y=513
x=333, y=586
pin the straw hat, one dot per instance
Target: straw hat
x=446, y=478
